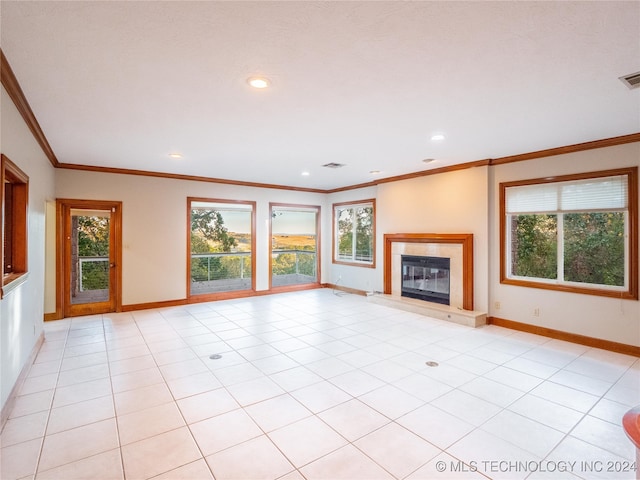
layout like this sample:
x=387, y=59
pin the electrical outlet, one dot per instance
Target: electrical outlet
x=536, y=312
x=497, y=305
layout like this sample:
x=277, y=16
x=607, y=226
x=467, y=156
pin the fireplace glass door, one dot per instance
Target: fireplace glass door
x=426, y=278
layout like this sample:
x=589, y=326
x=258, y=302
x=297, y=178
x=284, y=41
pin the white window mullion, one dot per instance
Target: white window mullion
x=353, y=234
x=560, y=250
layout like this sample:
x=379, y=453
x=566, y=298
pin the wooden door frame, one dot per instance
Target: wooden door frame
x=302, y=286
x=63, y=207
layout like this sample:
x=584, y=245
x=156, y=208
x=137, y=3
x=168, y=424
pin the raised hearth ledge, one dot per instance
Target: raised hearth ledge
x=469, y=318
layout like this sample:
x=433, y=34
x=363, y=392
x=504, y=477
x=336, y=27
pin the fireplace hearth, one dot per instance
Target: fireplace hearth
x=426, y=278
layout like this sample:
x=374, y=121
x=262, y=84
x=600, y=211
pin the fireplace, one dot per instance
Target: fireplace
x=426, y=278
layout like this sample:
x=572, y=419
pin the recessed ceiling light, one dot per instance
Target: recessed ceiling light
x=305, y=174
x=429, y=160
x=258, y=82
x=437, y=137
x=175, y=155
x=375, y=172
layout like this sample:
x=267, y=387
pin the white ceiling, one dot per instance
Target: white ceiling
x=366, y=84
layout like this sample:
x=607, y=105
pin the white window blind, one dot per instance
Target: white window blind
x=606, y=193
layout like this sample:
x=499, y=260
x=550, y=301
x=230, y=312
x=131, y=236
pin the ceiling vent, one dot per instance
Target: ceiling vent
x=334, y=165
x=632, y=80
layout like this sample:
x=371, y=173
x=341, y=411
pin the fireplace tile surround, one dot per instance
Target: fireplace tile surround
x=457, y=247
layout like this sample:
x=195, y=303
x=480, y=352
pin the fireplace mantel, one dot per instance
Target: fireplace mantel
x=463, y=239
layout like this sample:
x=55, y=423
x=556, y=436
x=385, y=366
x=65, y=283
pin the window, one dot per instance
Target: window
x=295, y=241
x=221, y=246
x=354, y=234
x=15, y=195
x=575, y=233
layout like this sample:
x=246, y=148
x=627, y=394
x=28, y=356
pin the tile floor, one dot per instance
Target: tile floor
x=314, y=385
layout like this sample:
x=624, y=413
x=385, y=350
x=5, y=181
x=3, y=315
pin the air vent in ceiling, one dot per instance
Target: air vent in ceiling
x=632, y=80
x=334, y=165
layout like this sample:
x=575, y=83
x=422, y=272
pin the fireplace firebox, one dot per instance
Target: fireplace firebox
x=426, y=278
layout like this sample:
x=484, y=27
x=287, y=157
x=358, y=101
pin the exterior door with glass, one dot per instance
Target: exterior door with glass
x=89, y=256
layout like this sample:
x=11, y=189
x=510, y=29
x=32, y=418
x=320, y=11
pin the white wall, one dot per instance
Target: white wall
x=359, y=278
x=154, y=226
x=600, y=317
x=453, y=202
x=21, y=311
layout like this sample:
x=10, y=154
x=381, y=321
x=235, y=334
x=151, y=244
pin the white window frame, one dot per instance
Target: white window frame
x=630, y=210
x=337, y=259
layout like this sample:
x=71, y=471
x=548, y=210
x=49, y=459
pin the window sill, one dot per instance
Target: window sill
x=11, y=282
x=631, y=294
x=355, y=264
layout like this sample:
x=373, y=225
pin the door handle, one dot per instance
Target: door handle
x=112, y=265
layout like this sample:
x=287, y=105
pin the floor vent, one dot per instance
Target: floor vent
x=631, y=81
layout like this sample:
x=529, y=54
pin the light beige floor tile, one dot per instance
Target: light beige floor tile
x=513, y=378
x=321, y=396
x=347, y=463
x=141, y=398
x=183, y=369
x=117, y=342
x=523, y=432
x=81, y=413
x=224, y=431
x=193, y=385
x=72, y=445
x=486, y=451
x=353, y=419
x=44, y=368
x=87, y=349
x=266, y=461
x=276, y=363
x=391, y=401
x=106, y=466
x=162, y=453
x=435, y=425
x=568, y=397
x=19, y=460
x=277, y=412
x=610, y=411
x=397, y=450
x=467, y=407
x=129, y=365
x=253, y=391
x=206, y=405
x=295, y=378
x=306, y=440
x=548, y=413
x=39, y=384
x=423, y=387
x=71, y=363
x=32, y=403
x=357, y=382
x=446, y=467
x=388, y=371
x=138, y=379
x=490, y=391
x=81, y=392
x=243, y=372
x=591, y=462
x=24, y=428
x=198, y=470
x=128, y=352
x=605, y=435
x=173, y=356
x=83, y=374
x=149, y=422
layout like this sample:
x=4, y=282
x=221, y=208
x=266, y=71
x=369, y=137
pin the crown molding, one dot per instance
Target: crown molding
x=11, y=85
